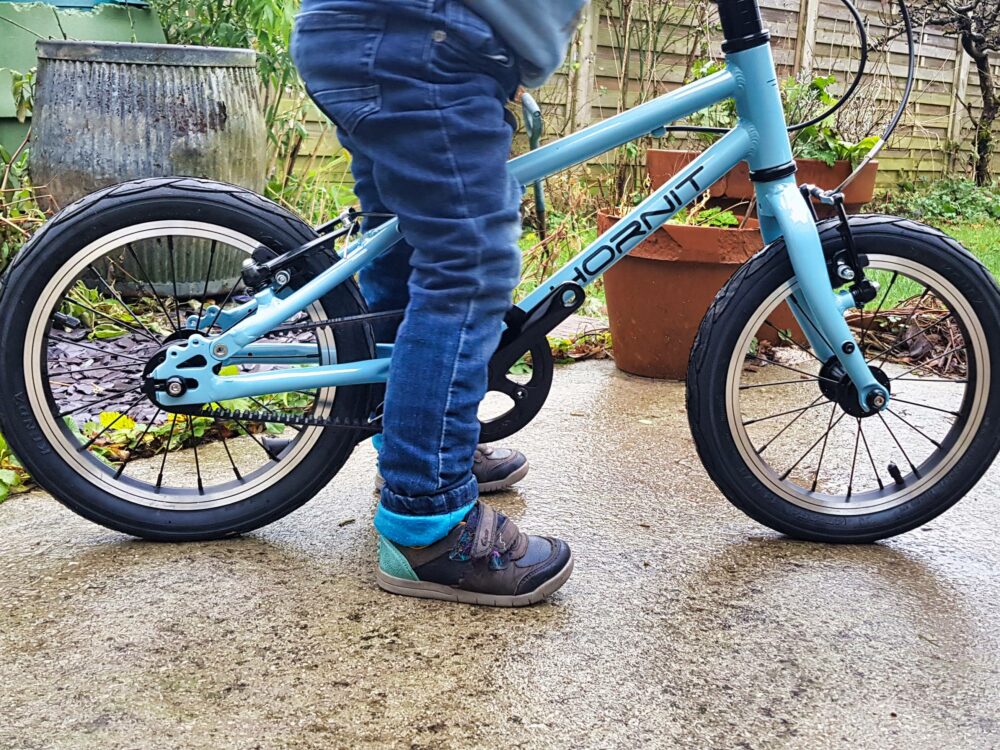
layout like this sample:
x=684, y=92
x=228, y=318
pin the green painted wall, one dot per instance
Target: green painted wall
x=21, y=24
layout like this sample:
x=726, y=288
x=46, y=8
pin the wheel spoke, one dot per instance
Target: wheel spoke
x=112, y=423
x=782, y=430
x=254, y=438
x=910, y=317
x=197, y=463
x=96, y=349
x=232, y=463
x=809, y=320
x=868, y=450
x=871, y=321
x=854, y=460
x=960, y=381
x=116, y=321
x=822, y=452
x=813, y=405
x=923, y=365
x=173, y=276
x=818, y=441
x=779, y=382
x=166, y=450
x=792, y=369
x=127, y=461
x=898, y=444
x=926, y=406
x=149, y=283
x=204, y=292
x=914, y=427
x=92, y=368
x=885, y=355
x=787, y=337
x=98, y=401
x=121, y=302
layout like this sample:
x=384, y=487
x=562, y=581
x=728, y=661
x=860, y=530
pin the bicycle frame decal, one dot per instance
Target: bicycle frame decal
x=760, y=138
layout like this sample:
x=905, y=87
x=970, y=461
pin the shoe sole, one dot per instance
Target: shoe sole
x=488, y=487
x=427, y=590
x=508, y=481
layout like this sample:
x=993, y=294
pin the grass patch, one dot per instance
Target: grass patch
x=982, y=240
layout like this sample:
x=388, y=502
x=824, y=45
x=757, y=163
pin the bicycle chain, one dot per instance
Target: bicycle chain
x=372, y=425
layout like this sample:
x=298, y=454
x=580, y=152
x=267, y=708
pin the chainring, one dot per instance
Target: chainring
x=528, y=397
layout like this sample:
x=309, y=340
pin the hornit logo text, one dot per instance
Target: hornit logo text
x=637, y=229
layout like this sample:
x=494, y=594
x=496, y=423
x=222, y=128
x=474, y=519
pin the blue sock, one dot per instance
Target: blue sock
x=418, y=531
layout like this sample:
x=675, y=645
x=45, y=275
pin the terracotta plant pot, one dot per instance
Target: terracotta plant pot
x=662, y=164
x=658, y=293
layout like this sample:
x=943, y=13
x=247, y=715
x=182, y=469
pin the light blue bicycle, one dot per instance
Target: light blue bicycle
x=160, y=329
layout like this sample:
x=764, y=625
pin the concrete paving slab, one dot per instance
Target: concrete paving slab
x=684, y=625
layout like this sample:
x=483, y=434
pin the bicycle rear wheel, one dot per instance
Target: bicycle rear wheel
x=780, y=431
x=102, y=288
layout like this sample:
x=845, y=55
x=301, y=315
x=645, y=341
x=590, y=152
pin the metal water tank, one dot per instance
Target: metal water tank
x=108, y=111
x=23, y=22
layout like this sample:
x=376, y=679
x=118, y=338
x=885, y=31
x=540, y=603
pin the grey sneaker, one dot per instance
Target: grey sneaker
x=495, y=469
x=485, y=560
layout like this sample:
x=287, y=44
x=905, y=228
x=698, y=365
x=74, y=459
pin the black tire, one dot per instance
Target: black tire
x=725, y=326
x=169, y=199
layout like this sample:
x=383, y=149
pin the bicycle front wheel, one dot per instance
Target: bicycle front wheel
x=778, y=428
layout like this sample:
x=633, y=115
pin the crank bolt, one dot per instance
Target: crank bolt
x=175, y=387
x=845, y=272
x=848, y=347
x=220, y=351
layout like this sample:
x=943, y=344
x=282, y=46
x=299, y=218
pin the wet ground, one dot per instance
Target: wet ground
x=685, y=624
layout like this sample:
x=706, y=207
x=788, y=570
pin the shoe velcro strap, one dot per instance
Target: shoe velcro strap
x=486, y=531
x=513, y=540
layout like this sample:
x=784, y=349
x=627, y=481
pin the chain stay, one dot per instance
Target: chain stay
x=373, y=425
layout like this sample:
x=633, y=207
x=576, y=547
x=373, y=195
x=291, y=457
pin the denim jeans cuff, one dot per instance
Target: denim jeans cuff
x=430, y=505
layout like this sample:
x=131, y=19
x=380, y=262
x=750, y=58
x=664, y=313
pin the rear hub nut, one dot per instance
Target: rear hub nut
x=175, y=387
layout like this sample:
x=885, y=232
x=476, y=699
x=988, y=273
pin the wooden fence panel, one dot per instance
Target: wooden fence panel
x=809, y=36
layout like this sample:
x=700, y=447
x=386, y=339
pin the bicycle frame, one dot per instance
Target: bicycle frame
x=760, y=138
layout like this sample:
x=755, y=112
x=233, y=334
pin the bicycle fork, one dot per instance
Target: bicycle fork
x=784, y=212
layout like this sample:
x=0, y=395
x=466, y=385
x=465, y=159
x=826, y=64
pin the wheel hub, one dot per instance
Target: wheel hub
x=173, y=386
x=837, y=386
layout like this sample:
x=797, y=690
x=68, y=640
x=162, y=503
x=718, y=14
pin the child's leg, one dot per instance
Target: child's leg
x=384, y=282
x=421, y=94
x=423, y=100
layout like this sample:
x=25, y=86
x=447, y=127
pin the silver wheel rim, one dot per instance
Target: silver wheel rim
x=98, y=474
x=976, y=396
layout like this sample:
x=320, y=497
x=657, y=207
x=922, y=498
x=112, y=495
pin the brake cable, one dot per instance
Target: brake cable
x=851, y=89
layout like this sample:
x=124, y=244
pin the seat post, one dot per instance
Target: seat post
x=742, y=25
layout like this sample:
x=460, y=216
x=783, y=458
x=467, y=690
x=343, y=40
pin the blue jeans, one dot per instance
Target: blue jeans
x=417, y=90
